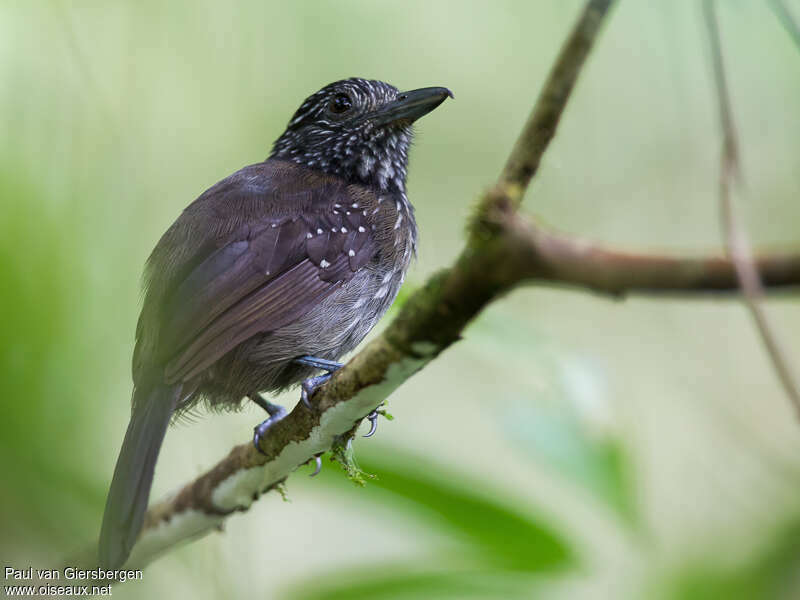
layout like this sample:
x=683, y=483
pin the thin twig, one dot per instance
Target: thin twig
x=735, y=236
x=787, y=20
x=504, y=249
x=541, y=126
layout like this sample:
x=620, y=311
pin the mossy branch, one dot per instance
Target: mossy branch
x=504, y=249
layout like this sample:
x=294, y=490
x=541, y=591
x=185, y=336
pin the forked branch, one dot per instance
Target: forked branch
x=504, y=249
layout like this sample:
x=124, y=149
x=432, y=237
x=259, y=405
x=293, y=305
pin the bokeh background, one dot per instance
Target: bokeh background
x=569, y=447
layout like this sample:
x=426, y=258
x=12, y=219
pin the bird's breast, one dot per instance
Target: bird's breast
x=395, y=230
x=357, y=306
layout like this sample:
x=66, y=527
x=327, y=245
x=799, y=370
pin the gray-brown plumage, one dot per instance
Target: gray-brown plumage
x=297, y=256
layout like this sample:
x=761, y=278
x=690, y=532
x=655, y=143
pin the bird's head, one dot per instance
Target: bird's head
x=359, y=129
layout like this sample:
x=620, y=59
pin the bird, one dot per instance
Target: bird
x=269, y=277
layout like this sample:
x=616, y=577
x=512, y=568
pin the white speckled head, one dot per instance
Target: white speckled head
x=359, y=129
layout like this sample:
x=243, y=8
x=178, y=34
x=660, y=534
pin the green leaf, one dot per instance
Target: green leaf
x=392, y=583
x=486, y=525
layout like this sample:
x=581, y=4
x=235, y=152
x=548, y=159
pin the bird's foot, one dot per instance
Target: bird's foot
x=276, y=413
x=373, y=421
x=309, y=386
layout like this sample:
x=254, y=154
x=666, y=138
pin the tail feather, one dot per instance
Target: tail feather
x=133, y=476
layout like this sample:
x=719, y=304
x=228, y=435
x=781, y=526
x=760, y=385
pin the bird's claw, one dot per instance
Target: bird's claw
x=312, y=383
x=309, y=386
x=373, y=423
x=260, y=430
x=318, y=468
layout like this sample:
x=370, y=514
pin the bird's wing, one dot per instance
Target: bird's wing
x=275, y=266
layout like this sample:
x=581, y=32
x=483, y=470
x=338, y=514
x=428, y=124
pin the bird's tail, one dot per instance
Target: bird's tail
x=130, y=488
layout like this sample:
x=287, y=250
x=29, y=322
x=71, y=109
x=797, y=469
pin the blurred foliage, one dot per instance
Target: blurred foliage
x=569, y=427
x=409, y=584
x=39, y=305
x=773, y=573
x=601, y=465
x=501, y=536
x=492, y=545
x=569, y=447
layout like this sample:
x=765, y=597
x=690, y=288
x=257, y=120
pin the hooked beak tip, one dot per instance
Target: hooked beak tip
x=410, y=106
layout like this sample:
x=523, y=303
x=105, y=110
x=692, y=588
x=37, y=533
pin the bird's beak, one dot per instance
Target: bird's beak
x=410, y=106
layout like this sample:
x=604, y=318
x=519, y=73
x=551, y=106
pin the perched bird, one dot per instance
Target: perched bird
x=270, y=276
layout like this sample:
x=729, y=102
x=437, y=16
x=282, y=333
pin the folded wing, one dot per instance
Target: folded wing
x=275, y=267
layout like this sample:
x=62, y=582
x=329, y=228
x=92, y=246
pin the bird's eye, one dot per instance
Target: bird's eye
x=341, y=103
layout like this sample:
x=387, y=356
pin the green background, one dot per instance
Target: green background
x=569, y=447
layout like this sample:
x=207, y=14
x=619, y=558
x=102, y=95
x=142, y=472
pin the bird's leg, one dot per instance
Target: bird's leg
x=276, y=413
x=312, y=383
x=331, y=366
